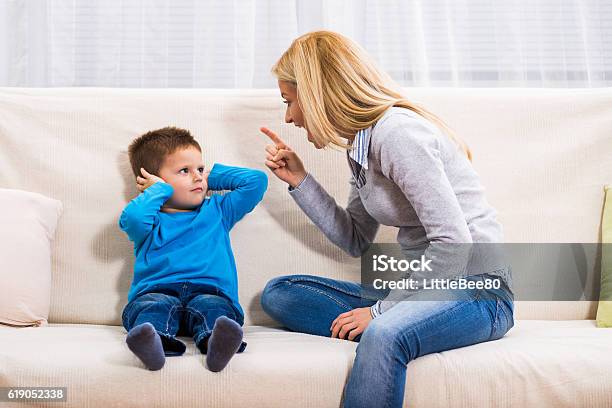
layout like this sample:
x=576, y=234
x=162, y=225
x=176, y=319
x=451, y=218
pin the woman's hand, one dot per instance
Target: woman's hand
x=147, y=181
x=282, y=161
x=353, y=322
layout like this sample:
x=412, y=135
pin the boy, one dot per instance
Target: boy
x=185, y=280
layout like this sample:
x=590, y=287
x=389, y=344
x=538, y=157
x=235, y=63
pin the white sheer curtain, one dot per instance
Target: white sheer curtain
x=232, y=44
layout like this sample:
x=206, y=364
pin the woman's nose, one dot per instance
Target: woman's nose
x=288, y=118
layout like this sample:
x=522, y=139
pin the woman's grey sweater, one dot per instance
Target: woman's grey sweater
x=418, y=180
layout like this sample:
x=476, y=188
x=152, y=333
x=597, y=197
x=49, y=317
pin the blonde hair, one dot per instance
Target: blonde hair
x=340, y=90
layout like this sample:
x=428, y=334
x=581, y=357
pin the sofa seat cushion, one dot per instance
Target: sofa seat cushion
x=538, y=363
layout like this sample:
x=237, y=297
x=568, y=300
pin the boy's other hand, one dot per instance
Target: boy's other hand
x=142, y=183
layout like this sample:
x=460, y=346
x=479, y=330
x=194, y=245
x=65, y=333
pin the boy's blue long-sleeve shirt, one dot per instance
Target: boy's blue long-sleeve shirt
x=191, y=246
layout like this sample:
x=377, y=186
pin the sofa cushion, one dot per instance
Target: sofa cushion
x=28, y=223
x=537, y=363
x=542, y=155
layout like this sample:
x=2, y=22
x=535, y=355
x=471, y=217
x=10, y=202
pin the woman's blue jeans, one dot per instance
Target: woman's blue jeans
x=412, y=328
x=181, y=308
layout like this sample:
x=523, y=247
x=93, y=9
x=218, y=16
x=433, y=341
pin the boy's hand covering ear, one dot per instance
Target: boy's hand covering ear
x=142, y=183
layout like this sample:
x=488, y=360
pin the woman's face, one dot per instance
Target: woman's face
x=293, y=113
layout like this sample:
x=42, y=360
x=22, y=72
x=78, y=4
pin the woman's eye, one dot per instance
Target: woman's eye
x=287, y=102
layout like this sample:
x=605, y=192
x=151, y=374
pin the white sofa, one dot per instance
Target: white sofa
x=543, y=156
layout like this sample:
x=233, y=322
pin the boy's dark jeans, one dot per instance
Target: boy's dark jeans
x=181, y=309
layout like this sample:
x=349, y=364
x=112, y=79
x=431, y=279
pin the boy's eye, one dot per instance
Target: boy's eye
x=201, y=169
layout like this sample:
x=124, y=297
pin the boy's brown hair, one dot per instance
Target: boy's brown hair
x=150, y=150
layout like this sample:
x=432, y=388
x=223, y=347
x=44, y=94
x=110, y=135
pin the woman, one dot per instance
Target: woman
x=406, y=173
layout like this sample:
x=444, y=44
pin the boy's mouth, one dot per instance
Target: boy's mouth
x=197, y=190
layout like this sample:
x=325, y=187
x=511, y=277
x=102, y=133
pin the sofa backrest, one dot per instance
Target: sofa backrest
x=543, y=156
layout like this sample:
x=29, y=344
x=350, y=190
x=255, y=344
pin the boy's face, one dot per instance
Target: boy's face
x=184, y=170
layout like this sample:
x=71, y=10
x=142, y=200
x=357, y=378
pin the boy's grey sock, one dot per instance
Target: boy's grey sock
x=144, y=341
x=223, y=343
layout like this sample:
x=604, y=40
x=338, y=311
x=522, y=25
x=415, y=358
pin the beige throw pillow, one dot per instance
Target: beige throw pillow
x=27, y=228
